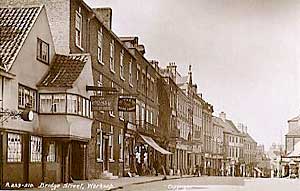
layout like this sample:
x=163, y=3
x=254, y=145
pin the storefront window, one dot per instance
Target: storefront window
x=14, y=148
x=99, y=144
x=51, y=153
x=35, y=149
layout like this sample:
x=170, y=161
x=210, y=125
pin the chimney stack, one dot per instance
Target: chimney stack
x=222, y=115
x=105, y=14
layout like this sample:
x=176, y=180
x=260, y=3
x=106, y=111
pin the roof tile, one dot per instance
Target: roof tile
x=63, y=71
x=15, y=23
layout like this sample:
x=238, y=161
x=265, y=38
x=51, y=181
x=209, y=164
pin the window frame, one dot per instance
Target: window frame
x=23, y=99
x=99, y=143
x=36, y=150
x=122, y=66
x=100, y=46
x=85, y=112
x=19, y=147
x=39, y=51
x=112, y=56
x=79, y=30
x=51, y=157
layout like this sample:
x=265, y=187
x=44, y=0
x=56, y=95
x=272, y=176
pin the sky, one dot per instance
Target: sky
x=244, y=54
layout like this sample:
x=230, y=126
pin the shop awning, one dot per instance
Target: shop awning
x=258, y=170
x=153, y=144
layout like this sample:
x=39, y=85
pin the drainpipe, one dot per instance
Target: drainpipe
x=1, y=133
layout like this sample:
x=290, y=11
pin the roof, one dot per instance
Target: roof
x=228, y=125
x=181, y=80
x=295, y=119
x=294, y=131
x=296, y=151
x=15, y=25
x=64, y=71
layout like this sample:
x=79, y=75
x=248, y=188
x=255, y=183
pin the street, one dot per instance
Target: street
x=205, y=183
x=219, y=184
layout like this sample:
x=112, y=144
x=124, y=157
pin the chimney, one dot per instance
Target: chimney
x=141, y=49
x=222, y=115
x=105, y=14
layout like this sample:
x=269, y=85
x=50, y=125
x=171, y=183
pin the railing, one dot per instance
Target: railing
x=148, y=128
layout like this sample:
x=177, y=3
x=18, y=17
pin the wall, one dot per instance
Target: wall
x=58, y=12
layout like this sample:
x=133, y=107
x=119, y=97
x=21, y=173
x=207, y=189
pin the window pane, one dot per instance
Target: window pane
x=45, y=103
x=51, y=153
x=35, y=149
x=14, y=148
x=72, y=104
x=59, y=103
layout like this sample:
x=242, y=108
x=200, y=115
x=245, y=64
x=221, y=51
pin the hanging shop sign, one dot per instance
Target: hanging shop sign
x=104, y=103
x=126, y=104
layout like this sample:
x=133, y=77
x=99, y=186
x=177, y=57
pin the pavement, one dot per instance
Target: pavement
x=122, y=182
x=102, y=184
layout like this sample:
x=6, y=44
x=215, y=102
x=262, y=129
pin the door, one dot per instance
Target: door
x=77, y=162
x=106, y=154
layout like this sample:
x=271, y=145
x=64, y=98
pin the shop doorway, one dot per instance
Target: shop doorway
x=1, y=162
x=78, y=161
x=106, y=154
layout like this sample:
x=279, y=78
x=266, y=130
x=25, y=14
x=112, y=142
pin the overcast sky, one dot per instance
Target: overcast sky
x=244, y=54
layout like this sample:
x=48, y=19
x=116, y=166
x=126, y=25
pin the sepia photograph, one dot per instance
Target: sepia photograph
x=149, y=95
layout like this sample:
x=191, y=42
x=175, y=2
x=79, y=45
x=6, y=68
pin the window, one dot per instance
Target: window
x=35, y=149
x=14, y=148
x=151, y=117
x=65, y=103
x=100, y=46
x=112, y=55
x=137, y=78
x=26, y=97
x=72, y=104
x=42, y=51
x=111, y=113
x=130, y=72
x=99, y=143
x=111, y=143
x=78, y=28
x=122, y=65
x=45, y=103
x=51, y=153
x=121, y=113
x=121, y=144
x=100, y=84
x=59, y=103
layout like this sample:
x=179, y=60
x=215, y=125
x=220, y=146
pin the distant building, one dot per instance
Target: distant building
x=233, y=148
x=249, y=152
x=293, y=135
x=275, y=154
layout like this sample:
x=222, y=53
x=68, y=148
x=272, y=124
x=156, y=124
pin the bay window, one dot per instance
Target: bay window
x=65, y=103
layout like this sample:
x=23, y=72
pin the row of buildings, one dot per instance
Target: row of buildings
x=57, y=54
